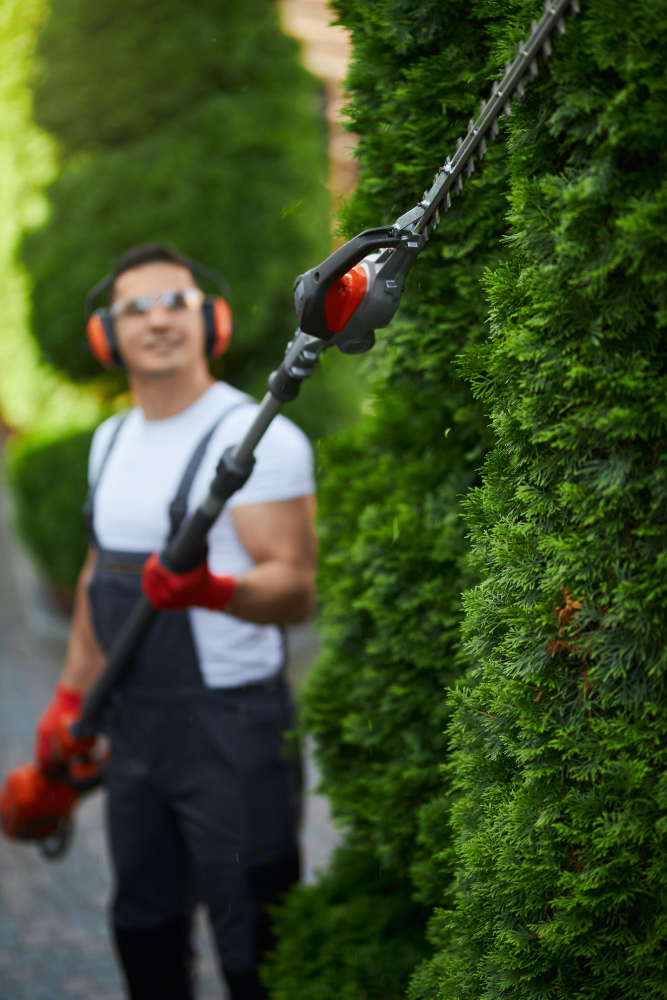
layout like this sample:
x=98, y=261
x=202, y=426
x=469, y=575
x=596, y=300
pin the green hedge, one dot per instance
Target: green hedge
x=356, y=934
x=561, y=750
x=49, y=481
x=393, y=554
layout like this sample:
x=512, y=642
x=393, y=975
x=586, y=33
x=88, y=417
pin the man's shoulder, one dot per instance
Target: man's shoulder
x=104, y=432
x=102, y=439
x=222, y=393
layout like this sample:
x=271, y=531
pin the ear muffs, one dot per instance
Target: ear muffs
x=218, y=325
x=102, y=340
x=217, y=314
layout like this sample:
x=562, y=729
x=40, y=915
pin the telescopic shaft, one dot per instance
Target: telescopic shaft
x=185, y=551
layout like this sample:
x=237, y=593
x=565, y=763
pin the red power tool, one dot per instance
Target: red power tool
x=37, y=805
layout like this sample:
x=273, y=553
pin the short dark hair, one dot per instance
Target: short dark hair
x=147, y=253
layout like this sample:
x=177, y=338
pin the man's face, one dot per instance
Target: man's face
x=159, y=341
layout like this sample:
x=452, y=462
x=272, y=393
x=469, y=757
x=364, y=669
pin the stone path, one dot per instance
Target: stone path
x=54, y=943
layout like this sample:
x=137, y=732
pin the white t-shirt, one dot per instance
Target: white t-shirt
x=140, y=479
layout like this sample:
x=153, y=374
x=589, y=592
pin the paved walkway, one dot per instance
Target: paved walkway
x=54, y=943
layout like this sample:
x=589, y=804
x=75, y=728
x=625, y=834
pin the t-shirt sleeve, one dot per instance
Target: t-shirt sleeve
x=283, y=467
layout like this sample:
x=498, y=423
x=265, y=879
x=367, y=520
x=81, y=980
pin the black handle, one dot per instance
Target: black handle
x=310, y=288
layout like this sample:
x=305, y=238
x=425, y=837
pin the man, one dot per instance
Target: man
x=203, y=797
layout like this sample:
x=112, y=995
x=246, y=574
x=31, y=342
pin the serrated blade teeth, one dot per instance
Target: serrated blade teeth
x=482, y=107
x=520, y=91
x=532, y=69
x=471, y=126
x=547, y=48
x=560, y=26
x=494, y=87
x=507, y=108
x=470, y=166
x=448, y=201
x=436, y=218
x=481, y=152
x=459, y=143
x=493, y=131
x=533, y=24
x=575, y=7
x=459, y=184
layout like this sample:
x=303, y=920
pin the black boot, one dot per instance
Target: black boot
x=157, y=961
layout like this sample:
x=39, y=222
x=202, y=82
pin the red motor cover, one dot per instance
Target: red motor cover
x=344, y=297
x=33, y=806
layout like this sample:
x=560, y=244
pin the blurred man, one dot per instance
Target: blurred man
x=203, y=798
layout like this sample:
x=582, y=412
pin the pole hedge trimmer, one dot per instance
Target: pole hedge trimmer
x=340, y=303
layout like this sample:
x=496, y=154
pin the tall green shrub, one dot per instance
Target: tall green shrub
x=49, y=504
x=561, y=749
x=194, y=124
x=394, y=557
x=28, y=390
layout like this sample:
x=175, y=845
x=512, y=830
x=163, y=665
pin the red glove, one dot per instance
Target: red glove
x=51, y=734
x=199, y=588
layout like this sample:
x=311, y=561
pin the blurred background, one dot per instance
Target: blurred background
x=214, y=126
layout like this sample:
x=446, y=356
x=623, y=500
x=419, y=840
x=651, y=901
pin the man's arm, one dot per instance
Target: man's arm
x=84, y=660
x=85, y=657
x=280, y=538
x=280, y=587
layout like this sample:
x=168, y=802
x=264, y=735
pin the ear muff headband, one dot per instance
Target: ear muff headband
x=218, y=322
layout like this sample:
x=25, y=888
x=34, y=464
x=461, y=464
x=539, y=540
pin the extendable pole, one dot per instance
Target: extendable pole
x=185, y=551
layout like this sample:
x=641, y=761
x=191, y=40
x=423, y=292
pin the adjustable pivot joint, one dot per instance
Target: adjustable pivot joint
x=284, y=383
x=230, y=475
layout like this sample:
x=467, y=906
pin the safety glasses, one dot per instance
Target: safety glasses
x=173, y=300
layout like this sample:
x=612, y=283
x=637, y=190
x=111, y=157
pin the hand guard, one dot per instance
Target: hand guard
x=197, y=588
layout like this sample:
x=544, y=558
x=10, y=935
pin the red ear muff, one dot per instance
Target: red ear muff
x=99, y=331
x=219, y=324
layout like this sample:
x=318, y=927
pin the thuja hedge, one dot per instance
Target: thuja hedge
x=350, y=936
x=48, y=478
x=561, y=748
x=393, y=552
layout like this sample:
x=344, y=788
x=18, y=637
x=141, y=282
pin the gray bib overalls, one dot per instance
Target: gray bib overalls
x=204, y=797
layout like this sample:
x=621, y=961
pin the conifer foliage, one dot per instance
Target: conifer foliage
x=393, y=555
x=561, y=748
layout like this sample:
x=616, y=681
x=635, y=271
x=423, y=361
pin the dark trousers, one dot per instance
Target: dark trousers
x=204, y=804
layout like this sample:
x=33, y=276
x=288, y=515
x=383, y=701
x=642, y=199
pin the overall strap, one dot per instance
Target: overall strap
x=179, y=505
x=89, y=505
